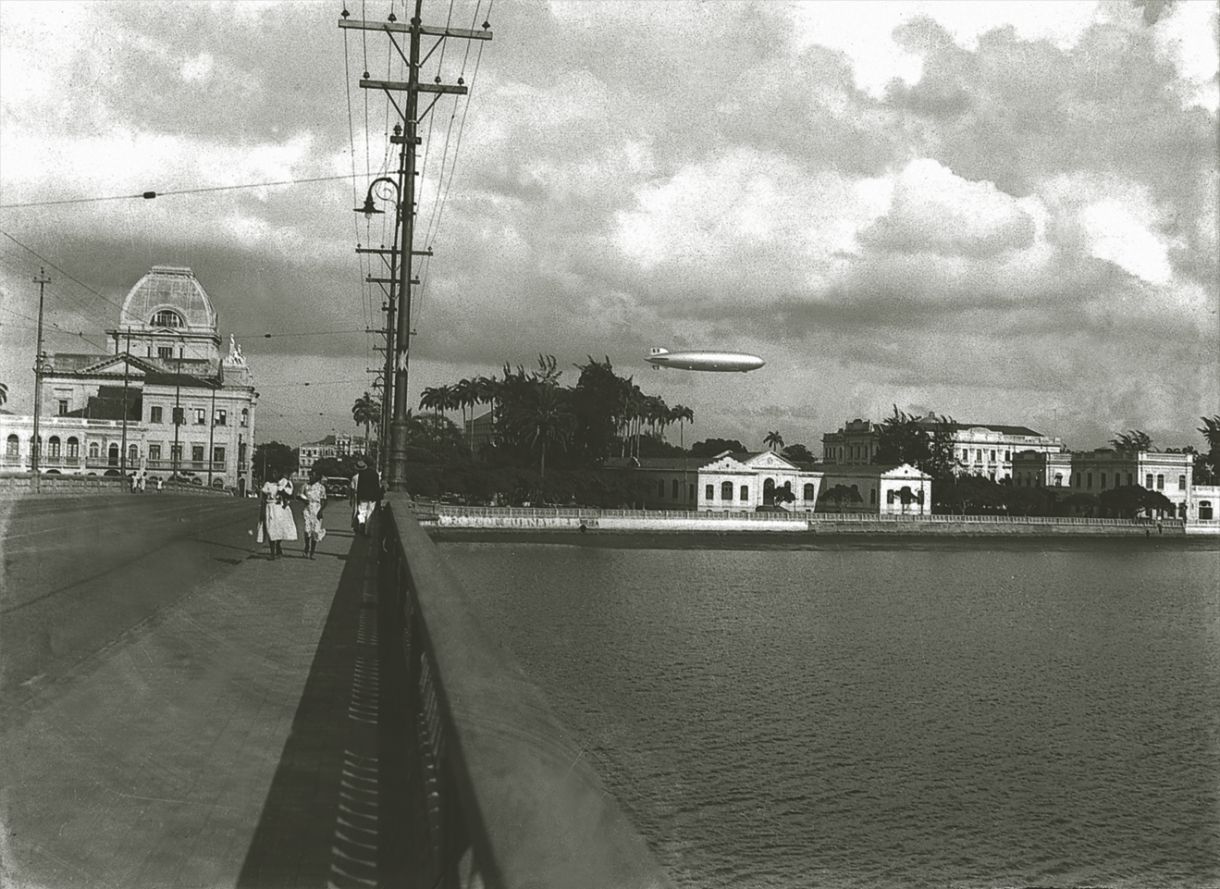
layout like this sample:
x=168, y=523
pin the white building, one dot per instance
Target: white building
x=740, y=482
x=984, y=449
x=165, y=402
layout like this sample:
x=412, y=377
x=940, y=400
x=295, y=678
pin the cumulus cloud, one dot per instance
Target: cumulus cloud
x=935, y=210
x=995, y=210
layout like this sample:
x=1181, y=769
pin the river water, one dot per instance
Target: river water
x=948, y=714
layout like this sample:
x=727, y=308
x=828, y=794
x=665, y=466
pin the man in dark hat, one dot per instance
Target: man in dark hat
x=366, y=493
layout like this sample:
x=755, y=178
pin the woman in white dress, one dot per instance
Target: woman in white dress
x=277, y=514
x=315, y=499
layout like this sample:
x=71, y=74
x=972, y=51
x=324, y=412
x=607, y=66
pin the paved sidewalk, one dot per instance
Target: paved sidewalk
x=233, y=741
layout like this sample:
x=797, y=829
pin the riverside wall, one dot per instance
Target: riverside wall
x=453, y=518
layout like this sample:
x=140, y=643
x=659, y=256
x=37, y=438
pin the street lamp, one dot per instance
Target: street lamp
x=387, y=390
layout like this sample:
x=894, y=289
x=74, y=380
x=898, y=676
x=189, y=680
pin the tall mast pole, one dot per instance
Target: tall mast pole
x=402, y=340
x=401, y=346
x=126, y=366
x=36, y=450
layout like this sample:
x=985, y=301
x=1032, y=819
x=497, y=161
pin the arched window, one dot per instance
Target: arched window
x=167, y=318
x=809, y=492
x=73, y=448
x=745, y=492
x=53, y=446
x=1160, y=483
x=12, y=447
x=133, y=454
x=726, y=491
x=1181, y=483
x=709, y=492
x=1058, y=479
x=245, y=417
x=112, y=455
x=674, y=489
x=95, y=450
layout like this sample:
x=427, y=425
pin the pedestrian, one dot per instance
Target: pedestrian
x=366, y=492
x=314, y=496
x=160, y=482
x=277, y=514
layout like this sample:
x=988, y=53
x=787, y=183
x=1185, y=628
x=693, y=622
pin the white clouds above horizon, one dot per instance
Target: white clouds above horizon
x=1012, y=196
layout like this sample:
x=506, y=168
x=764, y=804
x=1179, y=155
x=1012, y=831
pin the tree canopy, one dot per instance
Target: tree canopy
x=925, y=443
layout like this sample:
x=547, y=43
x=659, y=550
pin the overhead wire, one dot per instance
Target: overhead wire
x=430, y=237
x=149, y=195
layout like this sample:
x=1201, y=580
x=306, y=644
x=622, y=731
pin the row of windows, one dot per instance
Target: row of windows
x=219, y=418
x=1149, y=481
x=981, y=456
x=71, y=449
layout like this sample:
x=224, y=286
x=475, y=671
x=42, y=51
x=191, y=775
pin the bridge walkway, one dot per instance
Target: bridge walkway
x=246, y=735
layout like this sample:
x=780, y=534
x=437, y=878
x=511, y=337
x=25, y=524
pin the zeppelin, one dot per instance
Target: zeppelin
x=701, y=360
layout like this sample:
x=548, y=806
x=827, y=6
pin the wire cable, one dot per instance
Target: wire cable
x=149, y=195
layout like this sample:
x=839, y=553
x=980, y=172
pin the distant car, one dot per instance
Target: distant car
x=337, y=486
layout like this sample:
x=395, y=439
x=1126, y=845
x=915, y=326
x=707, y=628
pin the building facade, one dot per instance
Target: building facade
x=167, y=403
x=984, y=449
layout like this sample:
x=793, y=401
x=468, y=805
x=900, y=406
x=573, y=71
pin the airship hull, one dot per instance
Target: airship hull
x=723, y=362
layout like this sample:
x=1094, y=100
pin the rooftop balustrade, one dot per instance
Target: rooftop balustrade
x=511, y=799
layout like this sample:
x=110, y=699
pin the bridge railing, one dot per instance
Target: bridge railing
x=510, y=799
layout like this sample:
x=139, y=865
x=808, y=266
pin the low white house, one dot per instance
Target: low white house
x=876, y=489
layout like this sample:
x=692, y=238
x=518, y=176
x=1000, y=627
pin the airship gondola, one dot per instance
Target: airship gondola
x=704, y=360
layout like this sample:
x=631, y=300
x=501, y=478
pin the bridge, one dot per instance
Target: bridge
x=176, y=709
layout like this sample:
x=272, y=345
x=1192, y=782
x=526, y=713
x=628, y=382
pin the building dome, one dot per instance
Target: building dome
x=168, y=298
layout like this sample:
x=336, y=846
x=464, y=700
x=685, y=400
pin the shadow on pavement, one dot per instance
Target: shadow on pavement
x=335, y=812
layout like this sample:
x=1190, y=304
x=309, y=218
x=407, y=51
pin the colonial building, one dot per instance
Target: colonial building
x=725, y=483
x=984, y=449
x=333, y=446
x=165, y=403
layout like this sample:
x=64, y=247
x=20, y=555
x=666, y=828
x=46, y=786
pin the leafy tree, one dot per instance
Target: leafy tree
x=925, y=443
x=598, y=403
x=774, y=441
x=969, y=495
x=1128, y=501
x=840, y=494
x=712, y=446
x=273, y=459
x=797, y=453
x=366, y=412
x=542, y=419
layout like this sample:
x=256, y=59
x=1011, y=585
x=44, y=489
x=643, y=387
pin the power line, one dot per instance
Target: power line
x=149, y=195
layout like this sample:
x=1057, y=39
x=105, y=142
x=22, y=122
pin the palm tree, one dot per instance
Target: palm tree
x=774, y=441
x=3, y=394
x=366, y=411
x=540, y=419
x=1133, y=440
x=465, y=392
x=681, y=414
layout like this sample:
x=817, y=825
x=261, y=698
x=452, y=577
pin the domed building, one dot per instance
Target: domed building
x=166, y=403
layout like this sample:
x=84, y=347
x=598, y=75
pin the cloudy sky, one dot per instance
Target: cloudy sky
x=1004, y=212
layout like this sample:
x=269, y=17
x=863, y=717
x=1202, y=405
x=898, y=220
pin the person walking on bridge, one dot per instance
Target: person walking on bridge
x=366, y=493
x=277, y=514
x=315, y=500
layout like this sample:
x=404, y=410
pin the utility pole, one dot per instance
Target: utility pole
x=126, y=366
x=36, y=446
x=411, y=117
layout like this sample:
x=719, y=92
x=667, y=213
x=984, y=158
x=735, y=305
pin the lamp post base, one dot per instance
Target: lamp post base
x=397, y=464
